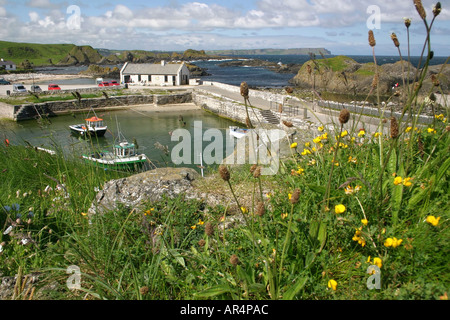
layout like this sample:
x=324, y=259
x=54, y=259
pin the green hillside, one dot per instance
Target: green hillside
x=37, y=54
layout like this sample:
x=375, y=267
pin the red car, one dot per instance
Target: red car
x=103, y=84
x=53, y=87
x=114, y=83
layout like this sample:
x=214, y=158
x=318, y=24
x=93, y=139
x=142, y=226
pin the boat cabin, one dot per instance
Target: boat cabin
x=94, y=122
x=125, y=149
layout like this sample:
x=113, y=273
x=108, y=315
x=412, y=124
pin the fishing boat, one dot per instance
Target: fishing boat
x=237, y=132
x=94, y=126
x=124, y=156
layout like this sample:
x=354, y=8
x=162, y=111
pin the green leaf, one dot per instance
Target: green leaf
x=213, y=291
x=294, y=289
x=316, y=188
x=322, y=235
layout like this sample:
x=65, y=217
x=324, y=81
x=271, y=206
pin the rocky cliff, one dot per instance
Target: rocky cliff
x=344, y=75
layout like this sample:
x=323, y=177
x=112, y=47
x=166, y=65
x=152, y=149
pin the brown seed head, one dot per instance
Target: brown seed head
x=234, y=260
x=288, y=124
x=295, y=196
x=253, y=168
x=394, y=128
x=209, y=229
x=260, y=210
x=437, y=9
x=144, y=290
x=344, y=116
x=244, y=90
x=420, y=9
x=224, y=173
x=289, y=90
x=372, y=41
x=395, y=39
x=201, y=242
x=435, y=80
x=257, y=172
x=375, y=81
x=407, y=22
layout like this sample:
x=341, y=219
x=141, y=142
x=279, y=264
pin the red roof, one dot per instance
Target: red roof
x=94, y=119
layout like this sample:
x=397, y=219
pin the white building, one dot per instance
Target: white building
x=159, y=74
x=7, y=65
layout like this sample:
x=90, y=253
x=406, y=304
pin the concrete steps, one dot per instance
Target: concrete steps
x=269, y=116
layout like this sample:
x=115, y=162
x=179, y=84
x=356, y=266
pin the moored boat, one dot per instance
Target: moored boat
x=237, y=132
x=94, y=126
x=123, y=157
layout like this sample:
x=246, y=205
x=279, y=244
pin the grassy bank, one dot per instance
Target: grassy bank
x=351, y=214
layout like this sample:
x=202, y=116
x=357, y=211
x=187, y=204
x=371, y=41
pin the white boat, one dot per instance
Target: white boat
x=123, y=156
x=94, y=126
x=238, y=133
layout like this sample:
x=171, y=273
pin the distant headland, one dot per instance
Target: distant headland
x=296, y=51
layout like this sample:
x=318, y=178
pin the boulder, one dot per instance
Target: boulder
x=150, y=186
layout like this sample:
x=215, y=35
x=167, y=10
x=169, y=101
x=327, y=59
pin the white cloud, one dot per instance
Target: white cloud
x=45, y=4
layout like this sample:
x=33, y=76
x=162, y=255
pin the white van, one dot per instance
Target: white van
x=19, y=88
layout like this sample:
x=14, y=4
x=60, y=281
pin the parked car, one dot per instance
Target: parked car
x=35, y=89
x=4, y=82
x=103, y=84
x=19, y=88
x=53, y=87
x=114, y=83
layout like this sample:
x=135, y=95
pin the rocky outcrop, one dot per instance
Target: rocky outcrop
x=344, y=75
x=81, y=55
x=150, y=186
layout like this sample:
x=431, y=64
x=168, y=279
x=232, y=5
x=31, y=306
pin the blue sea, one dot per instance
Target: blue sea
x=255, y=76
x=262, y=78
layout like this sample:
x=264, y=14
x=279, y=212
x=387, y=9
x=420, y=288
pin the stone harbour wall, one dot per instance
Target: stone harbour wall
x=53, y=108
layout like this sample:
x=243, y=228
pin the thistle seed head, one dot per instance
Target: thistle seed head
x=224, y=173
x=260, y=210
x=435, y=80
x=372, y=41
x=288, y=124
x=394, y=128
x=420, y=9
x=437, y=9
x=244, y=90
x=257, y=172
x=395, y=39
x=234, y=260
x=344, y=116
x=295, y=196
x=209, y=229
x=407, y=22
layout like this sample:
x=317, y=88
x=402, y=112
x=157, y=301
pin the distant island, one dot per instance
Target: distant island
x=296, y=51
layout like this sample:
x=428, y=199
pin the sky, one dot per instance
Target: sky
x=340, y=26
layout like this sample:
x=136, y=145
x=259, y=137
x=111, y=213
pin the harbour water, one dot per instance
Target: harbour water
x=147, y=128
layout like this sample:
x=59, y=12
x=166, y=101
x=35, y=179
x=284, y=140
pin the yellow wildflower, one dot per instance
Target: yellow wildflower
x=377, y=134
x=321, y=128
x=407, y=182
x=244, y=210
x=200, y=222
x=149, y=212
x=332, y=284
x=348, y=190
x=324, y=136
x=305, y=152
x=294, y=145
x=340, y=208
x=307, y=144
x=84, y=214
x=433, y=220
x=431, y=130
x=364, y=222
x=408, y=129
x=317, y=140
x=398, y=180
x=361, y=133
x=392, y=242
x=193, y=227
x=284, y=215
x=378, y=262
x=312, y=162
x=352, y=160
x=344, y=133
x=439, y=117
x=300, y=171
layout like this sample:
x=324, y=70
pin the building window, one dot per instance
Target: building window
x=166, y=79
x=139, y=78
